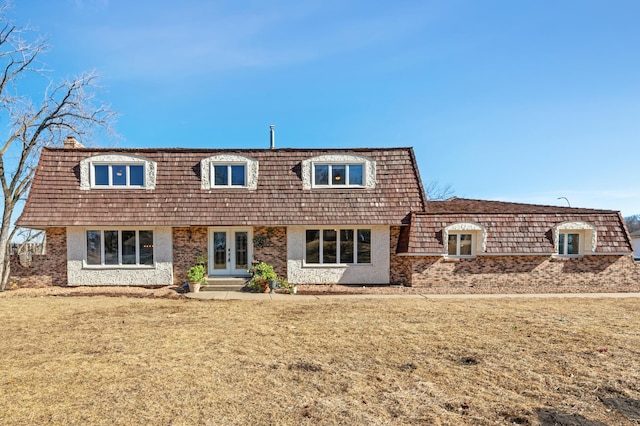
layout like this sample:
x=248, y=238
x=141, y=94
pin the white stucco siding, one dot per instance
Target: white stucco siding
x=80, y=274
x=375, y=273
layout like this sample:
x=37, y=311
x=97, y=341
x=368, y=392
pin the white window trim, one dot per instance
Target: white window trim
x=110, y=185
x=87, y=178
x=368, y=170
x=588, y=237
x=478, y=238
x=250, y=171
x=321, y=248
x=102, y=265
x=228, y=166
x=330, y=175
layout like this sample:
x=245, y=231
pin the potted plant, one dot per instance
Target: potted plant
x=262, y=277
x=287, y=286
x=197, y=275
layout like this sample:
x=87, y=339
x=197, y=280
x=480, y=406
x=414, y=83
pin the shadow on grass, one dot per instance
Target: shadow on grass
x=552, y=417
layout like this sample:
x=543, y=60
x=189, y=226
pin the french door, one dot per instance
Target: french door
x=230, y=251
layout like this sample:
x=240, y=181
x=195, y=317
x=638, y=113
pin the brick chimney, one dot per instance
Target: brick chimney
x=71, y=143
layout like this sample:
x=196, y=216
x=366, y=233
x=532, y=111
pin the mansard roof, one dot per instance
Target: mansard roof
x=57, y=199
x=512, y=228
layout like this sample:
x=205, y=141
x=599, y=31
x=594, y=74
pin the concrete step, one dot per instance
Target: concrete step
x=224, y=284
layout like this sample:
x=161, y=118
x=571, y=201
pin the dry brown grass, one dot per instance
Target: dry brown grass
x=118, y=360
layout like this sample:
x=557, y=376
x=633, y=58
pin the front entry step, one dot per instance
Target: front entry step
x=224, y=284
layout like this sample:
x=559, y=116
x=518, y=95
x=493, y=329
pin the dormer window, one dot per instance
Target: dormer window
x=574, y=239
x=117, y=171
x=120, y=175
x=229, y=171
x=464, y=239
x=229, y=174
x=338, y=174
x=339, y=171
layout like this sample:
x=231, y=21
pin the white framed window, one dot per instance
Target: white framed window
x=464, y=239
x=342, y=246
x=117, y=171
x=460, y=245
x=574, y=239
x=338, y=171
x=569, y=244
x=226, y=171
x=117, y=175
x=338, y=175
x=228, y=175
x=119, y=247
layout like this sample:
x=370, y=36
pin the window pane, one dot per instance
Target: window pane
x=364, y=246
x=220, y=250
x=110, y=247
x=94, y=248
x=465, y=245
x=321, y=174
x=561, y=243
x=237, y=175
x=346, y=246
x=129, y=247
x=146, y=247
x=338, y=175
x=221, y=177
x=242, y=251
x=355, y=174
x=101, y=174
x=452, y=245
x=136, y=175
x=329, y=246
x=313, y=246
x=573, y=243
x=119, y=174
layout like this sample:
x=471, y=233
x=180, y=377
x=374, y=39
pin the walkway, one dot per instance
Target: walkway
x=238, y=295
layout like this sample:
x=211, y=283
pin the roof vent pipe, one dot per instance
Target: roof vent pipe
x=272, y=132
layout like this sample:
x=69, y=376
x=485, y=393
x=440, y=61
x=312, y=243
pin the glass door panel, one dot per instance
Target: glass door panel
x=242, y=251
x=219, y=251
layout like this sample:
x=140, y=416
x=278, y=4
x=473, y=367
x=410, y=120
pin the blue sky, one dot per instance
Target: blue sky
x=522, y=101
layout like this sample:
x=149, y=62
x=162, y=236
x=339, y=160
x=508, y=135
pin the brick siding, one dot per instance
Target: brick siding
x=274, y=251
x=44, y=269
x=522, y=274
x=188, y=243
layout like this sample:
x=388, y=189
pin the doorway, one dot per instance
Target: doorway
x=230, y=251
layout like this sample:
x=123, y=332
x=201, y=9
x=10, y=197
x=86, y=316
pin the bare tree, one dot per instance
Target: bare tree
x=437, y=192
x=66, y=107
x=633, y=222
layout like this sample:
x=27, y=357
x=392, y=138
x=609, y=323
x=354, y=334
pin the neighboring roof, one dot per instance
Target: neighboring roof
x=56, y=199
x=636, y=234
x=512, y=228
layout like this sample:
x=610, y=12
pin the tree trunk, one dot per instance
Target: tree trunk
x=5, y=258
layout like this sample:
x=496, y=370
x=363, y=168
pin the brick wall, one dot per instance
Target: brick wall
x=44, y=269
x=274, y=251
x=523, y=274
x=399, y=266
x=188, y=242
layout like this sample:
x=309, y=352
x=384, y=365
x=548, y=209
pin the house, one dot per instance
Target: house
x=352, y=216
x=635, y=236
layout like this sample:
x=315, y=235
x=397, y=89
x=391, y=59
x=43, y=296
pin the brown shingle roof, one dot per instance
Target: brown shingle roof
x=511, y=228
x=178, y=200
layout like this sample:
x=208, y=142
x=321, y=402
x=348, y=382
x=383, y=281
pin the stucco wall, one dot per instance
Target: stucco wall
x=160, y=274
x=376, y=273
x=524, y=274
